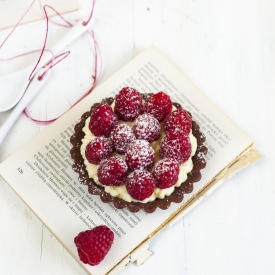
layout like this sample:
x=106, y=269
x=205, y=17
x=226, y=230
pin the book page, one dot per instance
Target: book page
x=11, y=11
x=42, y=176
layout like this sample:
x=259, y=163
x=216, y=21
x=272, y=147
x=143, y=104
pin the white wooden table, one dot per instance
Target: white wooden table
x=227, y=48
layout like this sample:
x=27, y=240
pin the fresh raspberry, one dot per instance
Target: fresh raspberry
x=112, y=171
x=139, y=154
x=166, y=173
x=121, y=136
x=94, y=244
x=98, y=149
x=128, y=104
x=158, y=105
x=147, y=127
x=176, y=146
x=140, y=184
x=178, y=120
x=102, y=120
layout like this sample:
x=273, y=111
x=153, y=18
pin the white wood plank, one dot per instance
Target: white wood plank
x=227, y=49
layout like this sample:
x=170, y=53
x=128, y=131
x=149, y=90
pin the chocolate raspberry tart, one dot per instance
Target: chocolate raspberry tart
x=139, y=151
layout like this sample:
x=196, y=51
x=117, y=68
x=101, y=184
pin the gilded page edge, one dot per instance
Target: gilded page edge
x=247, y=157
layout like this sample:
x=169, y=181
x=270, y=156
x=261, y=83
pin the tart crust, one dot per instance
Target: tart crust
x=177, y=196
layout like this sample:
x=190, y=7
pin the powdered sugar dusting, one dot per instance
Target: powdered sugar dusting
x=128, y=105
x=98, y=149
x=166, y=172
x=121, y=136
x=140, y=184
x=147, y=127
x=178, y=120
x=176, y=147
x=102, y=120
x=158, y=105
x=120, y=191
x=112, y=171
x=139, y=154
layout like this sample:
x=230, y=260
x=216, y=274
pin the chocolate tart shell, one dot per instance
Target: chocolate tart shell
x=177, y=196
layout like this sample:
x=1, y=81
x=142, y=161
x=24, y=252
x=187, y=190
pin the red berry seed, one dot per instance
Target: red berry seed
x=102, y=120
x=176, y=146
x=140, y=184
x=139, y=154
x=147, y=127
x=98, y=149
x=178, y=120
x=94, y=244
x=158, y=105
x=166, y=173
x=128, y=104
x=121, y=136
x=112, y=171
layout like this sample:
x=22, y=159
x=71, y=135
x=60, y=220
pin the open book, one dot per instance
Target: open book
x=41, y=174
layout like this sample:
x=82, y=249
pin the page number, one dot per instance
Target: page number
x=20, y=170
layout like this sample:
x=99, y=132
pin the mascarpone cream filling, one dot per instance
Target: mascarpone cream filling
x=120, y=191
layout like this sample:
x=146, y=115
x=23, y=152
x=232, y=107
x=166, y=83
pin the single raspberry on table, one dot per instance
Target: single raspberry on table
x=94, y=244
x=178, y=120
x=121, y=136
x=166, y=173
x=147, y=127
x=158, y=105
x=139, y=154
x=102, y=120
x=112, y=171
x=176, y=146
x=128, y=104
x=98, y=149
x=140, y=184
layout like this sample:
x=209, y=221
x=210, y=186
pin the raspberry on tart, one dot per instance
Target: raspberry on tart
x=94, y=244
x=98, y=149
x=102, y=120
x=121, y=136
x=178, y=120
x=140, y=184
x=147, y=127
x=112, y=171
x=128, y=105
x=166, y=173
x=176, y=146
x=154, y=169
x=158, y=105
x=139, y=154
